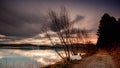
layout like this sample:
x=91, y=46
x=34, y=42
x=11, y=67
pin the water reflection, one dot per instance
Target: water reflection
x=16, y=58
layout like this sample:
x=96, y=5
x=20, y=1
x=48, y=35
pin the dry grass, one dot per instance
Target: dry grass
x=115, y=53
x=89, y=50
x=62, y=64
x=99, y=60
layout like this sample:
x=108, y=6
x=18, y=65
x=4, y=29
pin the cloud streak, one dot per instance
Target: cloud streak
x=78, y=18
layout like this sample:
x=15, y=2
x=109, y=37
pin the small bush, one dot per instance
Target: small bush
x=91, y=49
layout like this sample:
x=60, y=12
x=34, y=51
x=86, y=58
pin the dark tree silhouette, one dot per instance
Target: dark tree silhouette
x=108, y=31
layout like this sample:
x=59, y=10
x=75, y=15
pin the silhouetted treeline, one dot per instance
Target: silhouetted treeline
x=109, y=31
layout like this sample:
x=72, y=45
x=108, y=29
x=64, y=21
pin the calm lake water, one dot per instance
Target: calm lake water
x=18, y=58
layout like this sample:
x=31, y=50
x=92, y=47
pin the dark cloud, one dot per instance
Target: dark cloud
x=24, y=18
x=20, y=24
x=76, y=30
x=78, y=18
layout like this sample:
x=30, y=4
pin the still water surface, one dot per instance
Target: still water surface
x=18, y=58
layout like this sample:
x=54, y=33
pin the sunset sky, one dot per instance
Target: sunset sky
x=21, y=20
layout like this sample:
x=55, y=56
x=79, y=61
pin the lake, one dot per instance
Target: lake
x=21, y=58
